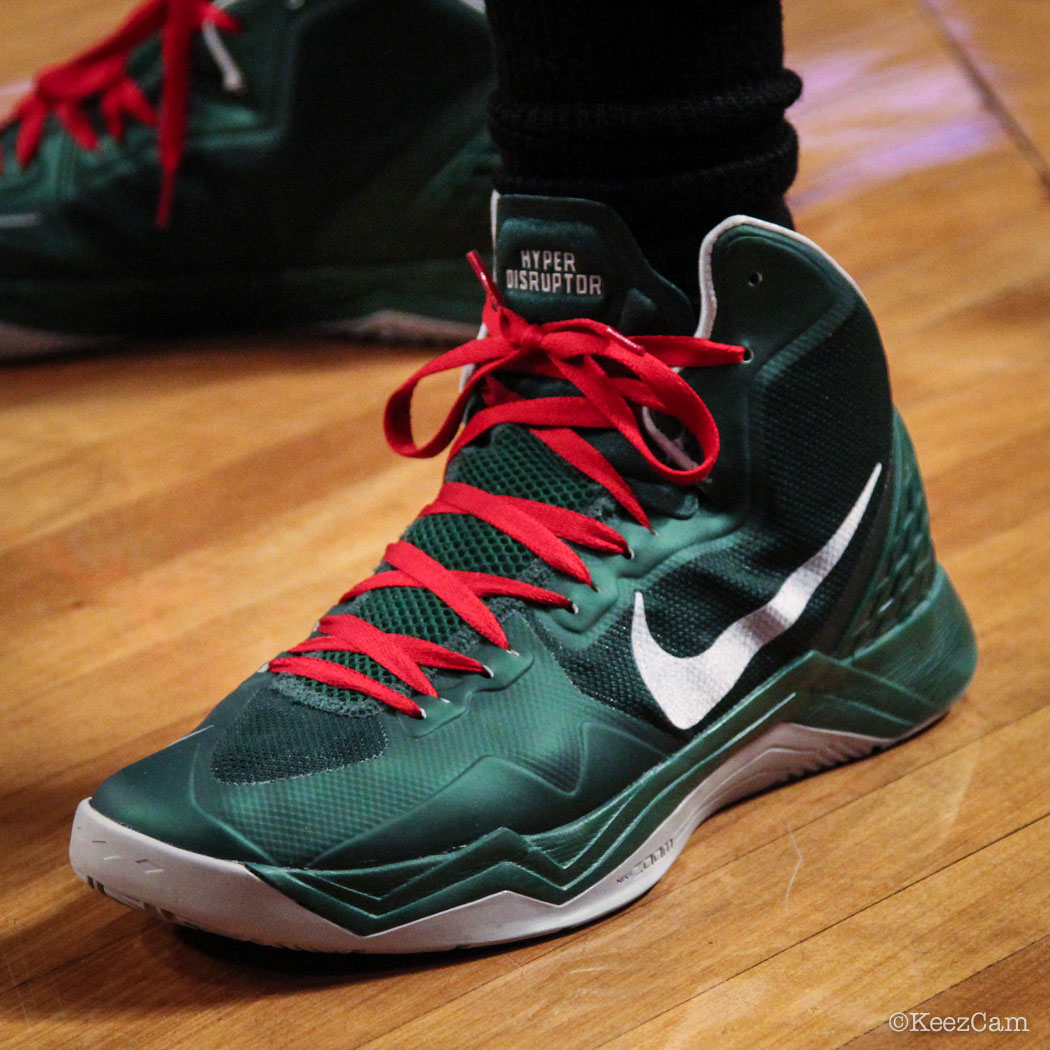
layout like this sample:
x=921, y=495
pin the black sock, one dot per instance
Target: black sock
x=671, y=112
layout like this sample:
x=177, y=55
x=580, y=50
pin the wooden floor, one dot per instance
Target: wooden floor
x=160, y=537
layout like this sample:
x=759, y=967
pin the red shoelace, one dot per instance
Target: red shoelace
x=101, y=73
x=616, y=377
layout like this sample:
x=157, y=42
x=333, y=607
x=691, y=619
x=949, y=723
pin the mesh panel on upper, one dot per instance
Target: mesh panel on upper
x=297, y=818
x=273, y=740
x=510, y=462
x=460, y=541
x=515, y=463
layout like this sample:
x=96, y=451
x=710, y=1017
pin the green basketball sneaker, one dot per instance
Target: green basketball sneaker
x=667, y=569
x=255, y=163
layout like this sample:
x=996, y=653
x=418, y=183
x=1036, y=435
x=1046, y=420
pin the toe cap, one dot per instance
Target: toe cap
x=156, y=797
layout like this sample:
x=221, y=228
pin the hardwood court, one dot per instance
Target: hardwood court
x=173, y=515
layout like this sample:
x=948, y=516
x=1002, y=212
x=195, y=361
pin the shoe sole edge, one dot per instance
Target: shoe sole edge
x=226, y=898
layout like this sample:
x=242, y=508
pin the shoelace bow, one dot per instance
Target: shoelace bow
x=615, y=375
x=101, y=72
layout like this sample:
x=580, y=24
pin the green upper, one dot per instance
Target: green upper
x=534, y=762
x=350, y=174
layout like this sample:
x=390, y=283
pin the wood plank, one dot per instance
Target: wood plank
x=825, y=990
x=1015, y=987
x=172, y=515
x=1004, y=47
x=898, y=157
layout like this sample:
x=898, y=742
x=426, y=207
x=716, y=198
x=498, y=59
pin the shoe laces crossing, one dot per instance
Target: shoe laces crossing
x=100, y=73
x=616, y=377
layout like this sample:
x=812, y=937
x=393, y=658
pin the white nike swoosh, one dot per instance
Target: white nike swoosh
x=688, y=687
x=20, y=222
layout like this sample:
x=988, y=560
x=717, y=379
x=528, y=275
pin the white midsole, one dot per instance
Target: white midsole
x=225, y=897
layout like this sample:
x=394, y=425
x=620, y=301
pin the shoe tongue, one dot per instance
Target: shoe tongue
x=559, y=258
x=556, y=259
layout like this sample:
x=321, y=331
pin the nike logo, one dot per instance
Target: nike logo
x=688, y=687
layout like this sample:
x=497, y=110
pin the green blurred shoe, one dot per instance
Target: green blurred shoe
x=663, y=573
x=274, y=163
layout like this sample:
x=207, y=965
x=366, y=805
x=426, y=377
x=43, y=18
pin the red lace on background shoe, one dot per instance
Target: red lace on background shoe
x=616, y=375
x=101, y=73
